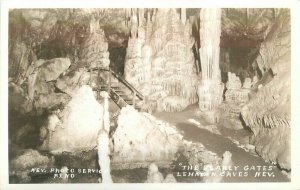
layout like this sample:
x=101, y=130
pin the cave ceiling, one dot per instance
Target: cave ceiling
x=240, y=27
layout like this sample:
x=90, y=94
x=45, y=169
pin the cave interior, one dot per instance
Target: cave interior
x=139, y=93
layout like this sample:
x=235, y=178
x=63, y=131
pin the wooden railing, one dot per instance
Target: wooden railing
x=134, y=91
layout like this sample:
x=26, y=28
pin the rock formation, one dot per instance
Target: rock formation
x=19, y=54
x=103, y=143
x=236, y=96
x=94, y=52
x=73, y=80
x=154, y=176
x=18, y=99
x=170, y=179
x=160, y=61
x=141, y=139
x=80, y=122
x=39, y=81
x=210, y=89
x=268, y=112
x=225, y=165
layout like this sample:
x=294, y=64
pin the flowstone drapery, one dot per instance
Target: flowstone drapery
x=160, y=61
x=211, y=88
x=268, y=113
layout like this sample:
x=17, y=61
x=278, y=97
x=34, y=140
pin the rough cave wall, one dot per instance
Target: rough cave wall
x=268, y=112
x=160, y=61
x=50, y=87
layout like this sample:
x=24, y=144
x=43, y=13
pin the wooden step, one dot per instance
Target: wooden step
x=116, y=86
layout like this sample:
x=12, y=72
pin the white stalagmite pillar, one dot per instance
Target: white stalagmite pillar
x=183, y=15
x=103, y=143
x=210, y=32
x=210, y=90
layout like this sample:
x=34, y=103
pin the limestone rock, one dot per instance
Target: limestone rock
x=156, y=141
x=48, y=101
x=268, y=112
x=80, y=122
x=51, y=69
x=18, y=100
x=73, y=80
x=41, y=77
x=18, y=60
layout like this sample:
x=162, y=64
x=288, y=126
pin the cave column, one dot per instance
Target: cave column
x=210, y=90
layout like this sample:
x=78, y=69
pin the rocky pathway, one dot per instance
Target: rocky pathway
x=249, y=166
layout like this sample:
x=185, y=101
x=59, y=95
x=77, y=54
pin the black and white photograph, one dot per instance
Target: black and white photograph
x=185, y=95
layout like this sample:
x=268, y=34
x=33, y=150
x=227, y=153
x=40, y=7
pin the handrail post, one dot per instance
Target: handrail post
x=109, y=81
x=133, y=98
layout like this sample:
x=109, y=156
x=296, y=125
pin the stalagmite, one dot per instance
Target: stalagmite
x=211, y=88
x=154, y=176
x=103, y=143
x=94, y=49
x=183, y=15
x=170, y=179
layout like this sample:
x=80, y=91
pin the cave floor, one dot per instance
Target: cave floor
x=213, y=142
x=221, y=143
